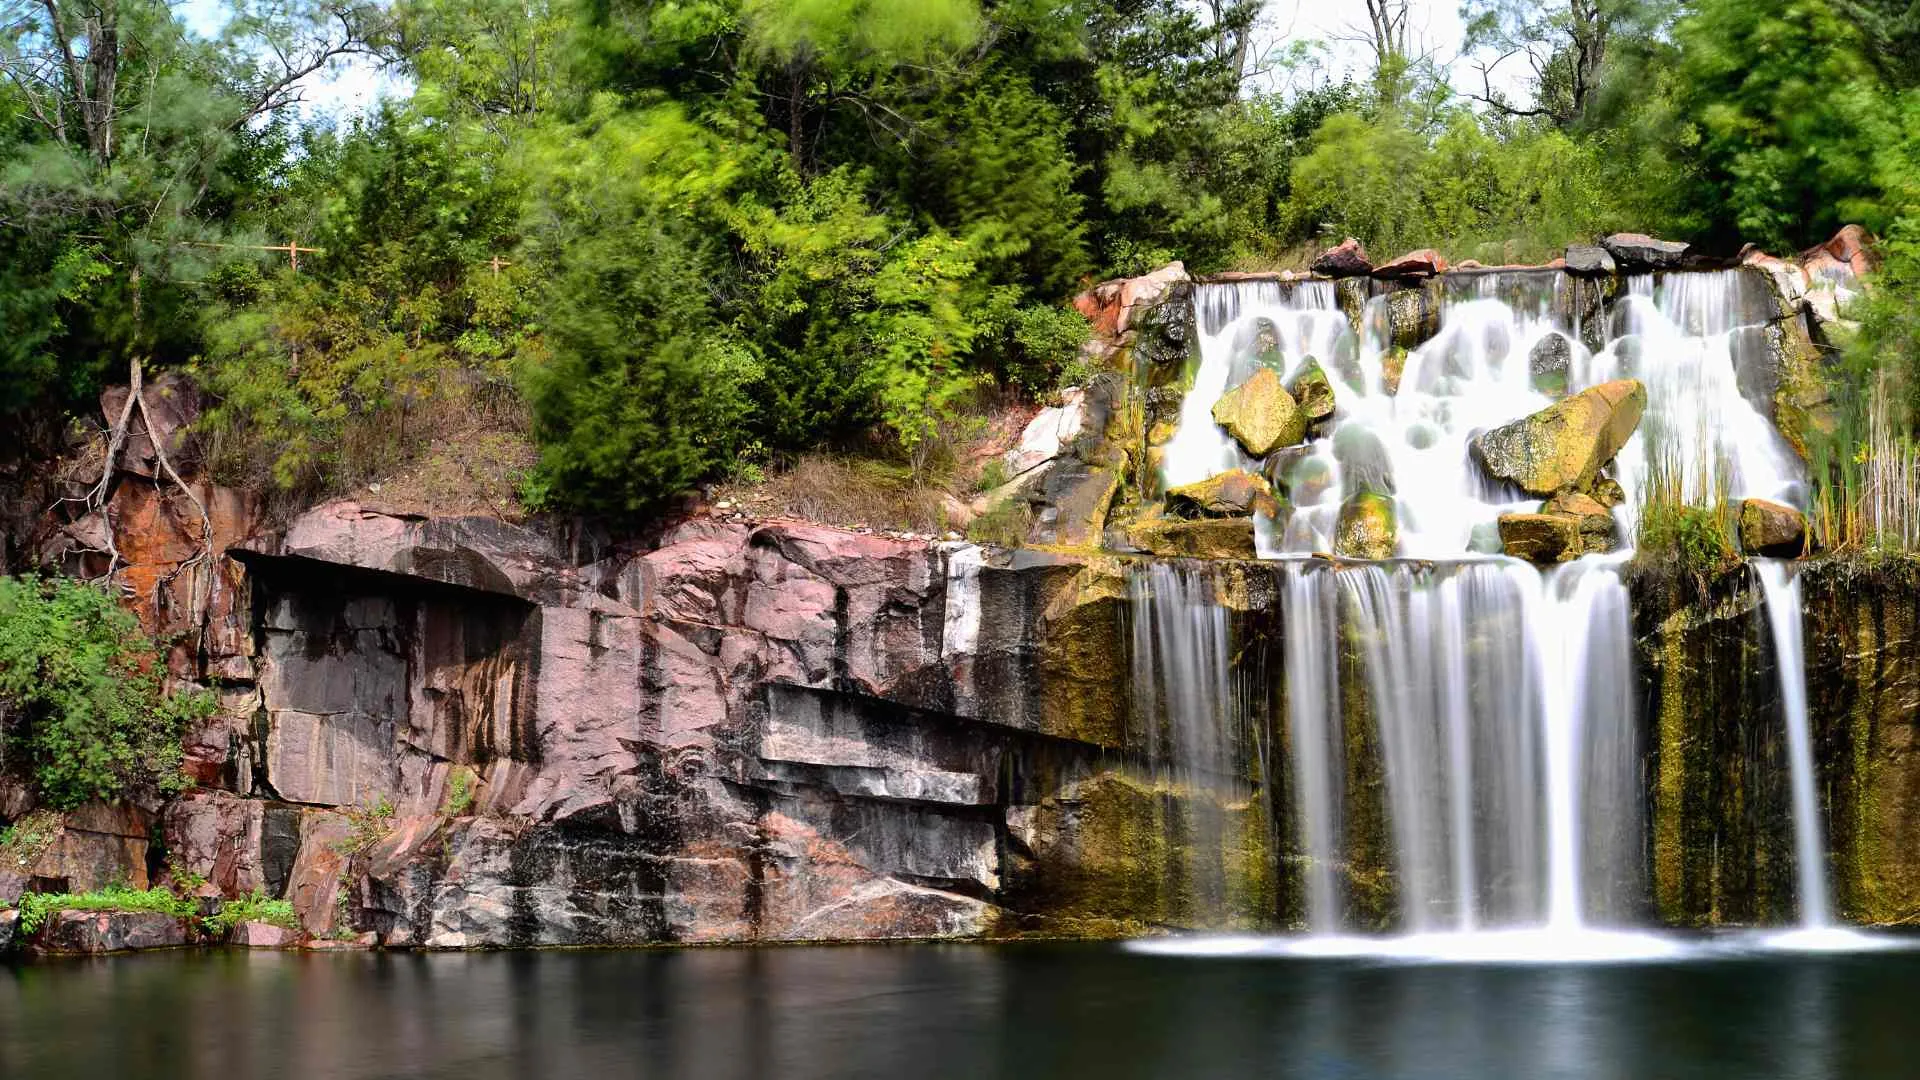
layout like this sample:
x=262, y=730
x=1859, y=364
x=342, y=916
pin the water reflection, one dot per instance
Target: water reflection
x=962, y=1011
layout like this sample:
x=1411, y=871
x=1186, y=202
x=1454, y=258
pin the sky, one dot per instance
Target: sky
x=1434, y=26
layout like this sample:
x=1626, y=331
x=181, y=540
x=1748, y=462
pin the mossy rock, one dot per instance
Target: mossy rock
x=1366, y=528
x=1235, y=493
x=1206, y=538
x=1260, y=414
x=1313, y=391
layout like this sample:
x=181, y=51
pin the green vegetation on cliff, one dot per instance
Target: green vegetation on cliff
x=675, y=242
x=82, y=706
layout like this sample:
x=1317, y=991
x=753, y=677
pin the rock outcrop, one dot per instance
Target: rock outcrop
x=1345, y=259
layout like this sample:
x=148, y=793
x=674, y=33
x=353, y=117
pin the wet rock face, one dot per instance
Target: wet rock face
x=784, y=732
x=1563, y=447
x=1208, y=538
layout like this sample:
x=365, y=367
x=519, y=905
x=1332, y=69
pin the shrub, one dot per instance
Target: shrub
x=84, y=697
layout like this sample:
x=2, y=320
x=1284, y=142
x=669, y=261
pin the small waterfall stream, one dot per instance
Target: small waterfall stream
x=1782, y=592
x=1500, y=693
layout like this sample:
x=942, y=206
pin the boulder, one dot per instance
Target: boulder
x=1313, y=391
x=1423, y=263
x=1345, y=259
x=1640, y=252
x=93, y=932
x=9, y=919
x=1540, y=538
x=1772, y=529
x=1589, y=259
x=1851, y=247
x=1366, y=528
x=1207, y=538
x=1260, y=414
x=262, y=935
x=1231, y=494
x=1563, y=446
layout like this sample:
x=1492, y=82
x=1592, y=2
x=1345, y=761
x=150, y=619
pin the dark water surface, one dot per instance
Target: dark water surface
x=950, y=1011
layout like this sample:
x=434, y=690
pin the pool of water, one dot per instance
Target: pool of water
x=1021, y=1010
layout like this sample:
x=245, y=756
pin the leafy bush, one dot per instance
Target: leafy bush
x=82, y=687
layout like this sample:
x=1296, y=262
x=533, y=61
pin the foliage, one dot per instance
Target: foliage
x=1469, y=188
x=36, y=907
x=84, y=696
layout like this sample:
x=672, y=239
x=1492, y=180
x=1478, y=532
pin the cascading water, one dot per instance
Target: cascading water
x=1782, y=592
x=1184, y=691
x=1499, y=692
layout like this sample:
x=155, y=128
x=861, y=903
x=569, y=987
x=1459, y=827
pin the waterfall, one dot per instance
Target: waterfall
x=1782, y=592
x=1313, y=718
x=1500, y=694
x=1185, y=699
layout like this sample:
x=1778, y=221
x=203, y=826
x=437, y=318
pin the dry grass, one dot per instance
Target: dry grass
x=1875, y=503
x=876, y=490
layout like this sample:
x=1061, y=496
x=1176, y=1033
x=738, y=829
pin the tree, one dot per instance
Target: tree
x=135, y=133
x=1566, y=43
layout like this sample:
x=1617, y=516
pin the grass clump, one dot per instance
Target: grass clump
x=254, y=907
x=36, y=907
x=461, y=790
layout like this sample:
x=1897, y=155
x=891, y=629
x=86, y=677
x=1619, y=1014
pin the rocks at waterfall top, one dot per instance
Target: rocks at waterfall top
x=1415, y=265
x=1852, y=248
x=1236, y=493
x=1313, y=391
x=1413, y=316
x=1366, y=528
x=1111, y=306
x=1772, y=529
x=1260, y=414
x=1345, y=259
x=1589, y=259
x=1563, y=446
x=1637, y=252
